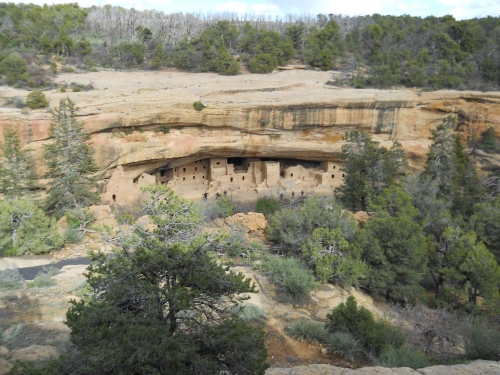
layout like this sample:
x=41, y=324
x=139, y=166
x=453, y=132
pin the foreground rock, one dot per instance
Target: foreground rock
x=473, y=368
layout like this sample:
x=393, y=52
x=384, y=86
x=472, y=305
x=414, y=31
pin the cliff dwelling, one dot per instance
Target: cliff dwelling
x=234, y=175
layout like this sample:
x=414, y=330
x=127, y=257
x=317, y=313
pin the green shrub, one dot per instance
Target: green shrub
x=344, y=344
x=72, y=235
x=198, y=105
x=262, y=63
x=11, y=279
x=250, y=312
x=62, y=89
x=44, y=278
x=36, y=99
x=165, y=129
x=291, y=275
x=256, y=250
x=24, y=229
x=360, y=323
x=482, y=340
x=14, y=68
x=126, y=219
x=266, y=206
x=403, y=356
x=19, y=102
x=77, y=89
x=309, y=330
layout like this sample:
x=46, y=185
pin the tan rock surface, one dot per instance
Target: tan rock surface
x=5, y=366
x=288, y=114
x=473, y=368
x=34, y=353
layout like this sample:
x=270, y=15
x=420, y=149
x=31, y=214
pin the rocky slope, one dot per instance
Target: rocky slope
x=290, y=114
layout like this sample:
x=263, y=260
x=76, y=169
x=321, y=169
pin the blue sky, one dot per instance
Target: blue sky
x=460, y=9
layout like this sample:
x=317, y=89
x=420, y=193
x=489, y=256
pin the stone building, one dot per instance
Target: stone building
x=221, y=174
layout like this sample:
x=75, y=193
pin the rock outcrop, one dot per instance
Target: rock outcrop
x=146, y=120
x=473, y=368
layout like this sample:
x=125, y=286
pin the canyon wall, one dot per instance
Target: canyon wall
x=146, y=120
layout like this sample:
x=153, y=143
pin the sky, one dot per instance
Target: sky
x=460, y=9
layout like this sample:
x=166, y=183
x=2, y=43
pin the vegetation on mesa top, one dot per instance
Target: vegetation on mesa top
x=381, y=51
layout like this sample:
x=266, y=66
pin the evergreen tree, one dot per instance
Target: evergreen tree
x=69, y=162
x=163, y=304
x=393, y=246
x=17, y=168
x=368, y=168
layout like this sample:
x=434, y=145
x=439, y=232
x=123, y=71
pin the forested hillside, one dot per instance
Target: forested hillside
x=380, y=51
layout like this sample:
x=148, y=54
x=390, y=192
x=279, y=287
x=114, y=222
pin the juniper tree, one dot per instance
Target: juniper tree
x=17, y=172
x=163, y=305
x=69, y=162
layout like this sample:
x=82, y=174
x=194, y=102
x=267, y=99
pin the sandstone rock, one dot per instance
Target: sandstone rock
x=34, y=353
x=361, y=216
x=242, y=114
x=473, y=368
x=147, y=223
x=5, y=366
x=3, y=351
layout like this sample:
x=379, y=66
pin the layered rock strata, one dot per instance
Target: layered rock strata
x=144, y=121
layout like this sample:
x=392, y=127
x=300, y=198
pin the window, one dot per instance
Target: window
x=203, y=176
x=203, y=167
x=183, y=178
x=175, y=170
x=195, y=169
x=243, y=178
x=333, y=176
x=218, y=162
x=231, y=179
x=334, y=167
x=114, y=198
x=184, y=169
x=162, y=173
x=342, y=175
x=193, y=177
x=291, y=174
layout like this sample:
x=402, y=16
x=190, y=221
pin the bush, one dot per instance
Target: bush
x=404, y=356
x=360, y=322
x=198, y=105
x=19, y=102
x=266, y=206
x=11, y=279
x=309, y=330
x=72, y=235
x=290, y=274
x=165, y=129
x=344, y=344
x=44, y=278
x=250, y=312
x=36, y=99
x=219, y=208
x=24, y=229
x=77, y=89
x=263, y=63
x=482, y=340
x=127, y=219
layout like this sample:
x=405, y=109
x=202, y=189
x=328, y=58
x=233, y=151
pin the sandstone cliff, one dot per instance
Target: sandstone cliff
x=290, y=114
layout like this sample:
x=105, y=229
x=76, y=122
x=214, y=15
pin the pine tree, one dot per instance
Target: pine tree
x=17, y=172
x=69, y=162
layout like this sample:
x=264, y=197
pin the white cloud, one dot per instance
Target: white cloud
x=232, y=6
x=462, y=9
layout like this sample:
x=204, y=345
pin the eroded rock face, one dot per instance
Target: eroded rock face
x=146, y=120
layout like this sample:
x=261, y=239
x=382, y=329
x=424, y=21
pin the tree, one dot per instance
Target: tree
x=368, y=168
x=331, y=257
x=393, y=245
x=17, y=168
x=486, y=223
x=163, y=305
x=24, y=229
x=291, y=227
x=36, y=99
x=69, y=162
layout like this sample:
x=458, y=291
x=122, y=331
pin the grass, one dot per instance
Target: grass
x=44, y=278
x=344, y=344
x=250, y=313
x=404, y=356
x=11, y=279
x=308, y=330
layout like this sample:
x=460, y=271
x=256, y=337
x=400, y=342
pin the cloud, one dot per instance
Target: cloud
x=466, y=9
x=232, y=6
